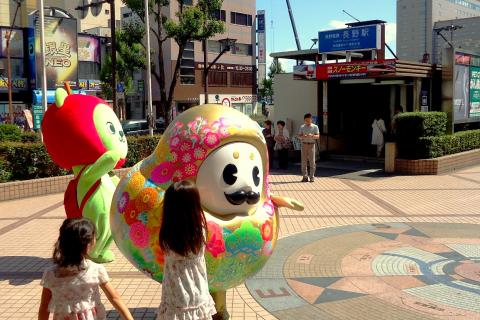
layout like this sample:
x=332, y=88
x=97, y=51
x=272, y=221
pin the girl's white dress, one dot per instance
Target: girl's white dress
x=185, y=294
x=75, y=291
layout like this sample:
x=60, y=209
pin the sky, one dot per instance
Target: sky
x=312, y=16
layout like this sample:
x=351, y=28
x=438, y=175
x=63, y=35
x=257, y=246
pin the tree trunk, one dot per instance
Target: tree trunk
x=161, y=65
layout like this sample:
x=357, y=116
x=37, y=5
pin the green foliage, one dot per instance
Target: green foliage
x=140, y=147
x=266, y=89
x=23, y=161
x=275, y=68
x=259, y=118
x=411, y=126
x=434, y=147
x=29, y=137
x=10, y=132
x=130, y=58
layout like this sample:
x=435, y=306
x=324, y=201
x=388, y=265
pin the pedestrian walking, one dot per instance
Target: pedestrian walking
x=378, y=134
x=308, y=135
x=71, y=286
x=282, y=144
x=270, y=140
x=185, y=293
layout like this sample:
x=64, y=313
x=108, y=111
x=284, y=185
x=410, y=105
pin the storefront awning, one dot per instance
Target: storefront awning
x=312, y=55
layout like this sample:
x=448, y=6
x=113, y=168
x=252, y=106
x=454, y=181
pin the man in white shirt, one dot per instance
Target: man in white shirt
x=308, y=135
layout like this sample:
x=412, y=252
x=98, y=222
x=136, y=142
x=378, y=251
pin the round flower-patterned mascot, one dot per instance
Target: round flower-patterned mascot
x=83, y=134
x=224, y=152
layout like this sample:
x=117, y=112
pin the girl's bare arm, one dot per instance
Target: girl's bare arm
x=116, y=301
x=43, y=313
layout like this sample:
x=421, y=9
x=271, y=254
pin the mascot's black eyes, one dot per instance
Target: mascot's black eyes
x=256, y=178
x=229, y=173
x=111, y=127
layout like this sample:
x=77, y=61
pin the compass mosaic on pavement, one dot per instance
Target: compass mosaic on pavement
x=379, y=271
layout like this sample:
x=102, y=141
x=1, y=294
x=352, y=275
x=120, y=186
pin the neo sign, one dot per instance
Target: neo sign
x=350, y=39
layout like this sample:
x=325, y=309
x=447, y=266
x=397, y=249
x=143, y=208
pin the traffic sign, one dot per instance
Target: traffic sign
x=37, y=116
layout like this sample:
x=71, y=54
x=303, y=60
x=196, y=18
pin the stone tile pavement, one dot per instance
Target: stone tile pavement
x=28, y=229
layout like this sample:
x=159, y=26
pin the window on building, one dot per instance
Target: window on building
x=220, y=15
x=216, y=78
x=241, y=79
x=88, y=70
x=214, y=46
x=128, y=14
x=242, y=49
x=188, y=2
x=187, y=65
x=241, y=19
x=107, y=11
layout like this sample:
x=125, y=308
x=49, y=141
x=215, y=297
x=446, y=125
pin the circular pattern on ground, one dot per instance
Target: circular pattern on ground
x=378, y=271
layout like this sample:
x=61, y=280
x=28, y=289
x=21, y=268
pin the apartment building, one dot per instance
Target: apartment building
x=416, y=22
x=232, y=79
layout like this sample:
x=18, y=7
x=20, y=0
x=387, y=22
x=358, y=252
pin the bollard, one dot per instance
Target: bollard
x=390, y=156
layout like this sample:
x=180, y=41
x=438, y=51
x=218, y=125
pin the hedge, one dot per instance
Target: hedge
x=23, y=161
x=434, y=147
x=10, y=132
x=413, y=126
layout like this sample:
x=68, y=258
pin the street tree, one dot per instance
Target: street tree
x=130, y=58
x=191, y=23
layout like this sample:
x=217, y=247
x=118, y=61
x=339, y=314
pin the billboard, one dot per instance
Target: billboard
x=16, y=43
x=475, y=91
x=261, y=36
x=88, y=48
x=461, y=80
x=304, y=72
x=349, y=39
x=61, y=59
x=360, y=69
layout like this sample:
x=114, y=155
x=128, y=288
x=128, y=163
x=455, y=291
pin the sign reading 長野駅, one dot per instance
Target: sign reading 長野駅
x=350, y=39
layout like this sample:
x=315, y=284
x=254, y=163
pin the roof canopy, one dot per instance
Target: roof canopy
x=312, y=55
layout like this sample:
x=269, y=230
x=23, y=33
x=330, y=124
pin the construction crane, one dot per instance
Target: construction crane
x=292, y=20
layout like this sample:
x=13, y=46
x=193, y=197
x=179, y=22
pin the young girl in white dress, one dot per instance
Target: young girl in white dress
x=71, y=286
x=185, y=294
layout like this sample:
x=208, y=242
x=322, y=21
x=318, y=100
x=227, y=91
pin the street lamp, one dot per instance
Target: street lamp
x=9, y=64
x=450, y=28
x=226, y=45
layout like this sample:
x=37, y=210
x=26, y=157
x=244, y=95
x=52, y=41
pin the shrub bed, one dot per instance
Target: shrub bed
x=434, y=147
x=30, y=160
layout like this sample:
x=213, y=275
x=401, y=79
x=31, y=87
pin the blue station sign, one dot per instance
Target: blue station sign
x=350, y=39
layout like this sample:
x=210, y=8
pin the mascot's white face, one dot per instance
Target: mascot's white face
x=230, y=180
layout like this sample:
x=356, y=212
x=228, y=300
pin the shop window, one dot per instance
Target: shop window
x=216, y=78
x=241, y=79
x=241, y=19
x=187, y=65
x=214, y=46
x=18, y=70
x=220, y=15
x=88, y=70
x=188, y=2
x=242, y=49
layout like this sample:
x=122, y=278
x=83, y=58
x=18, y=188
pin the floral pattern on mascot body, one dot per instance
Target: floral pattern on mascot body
x=224, y=152
x=83, y=134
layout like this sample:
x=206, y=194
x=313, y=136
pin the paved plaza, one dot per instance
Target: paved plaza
x=367, y=246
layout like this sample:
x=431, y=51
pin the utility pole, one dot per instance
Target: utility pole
x=151, y=121
x=42, y=52
x=292, y=20
x=9, y=62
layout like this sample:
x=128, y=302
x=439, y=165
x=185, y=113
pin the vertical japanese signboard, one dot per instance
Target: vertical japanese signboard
x=61, y=59
x=261, y=36
x=475, y=92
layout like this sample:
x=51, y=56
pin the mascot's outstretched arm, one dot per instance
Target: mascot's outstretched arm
x=286, y=202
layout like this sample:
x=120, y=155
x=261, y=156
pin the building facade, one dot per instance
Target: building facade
x=416, y=22
x=91, y=18
x=466, y=38
x=232, y=80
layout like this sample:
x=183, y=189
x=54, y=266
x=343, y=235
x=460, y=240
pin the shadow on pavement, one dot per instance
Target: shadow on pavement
x=137, y=313
x=21, y=270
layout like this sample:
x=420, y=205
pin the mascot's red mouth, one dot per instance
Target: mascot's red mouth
x=120, y=163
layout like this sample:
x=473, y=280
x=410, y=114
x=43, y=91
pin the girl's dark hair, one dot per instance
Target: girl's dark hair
x=72, y=244
x=183, y=222
x=281, y=122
